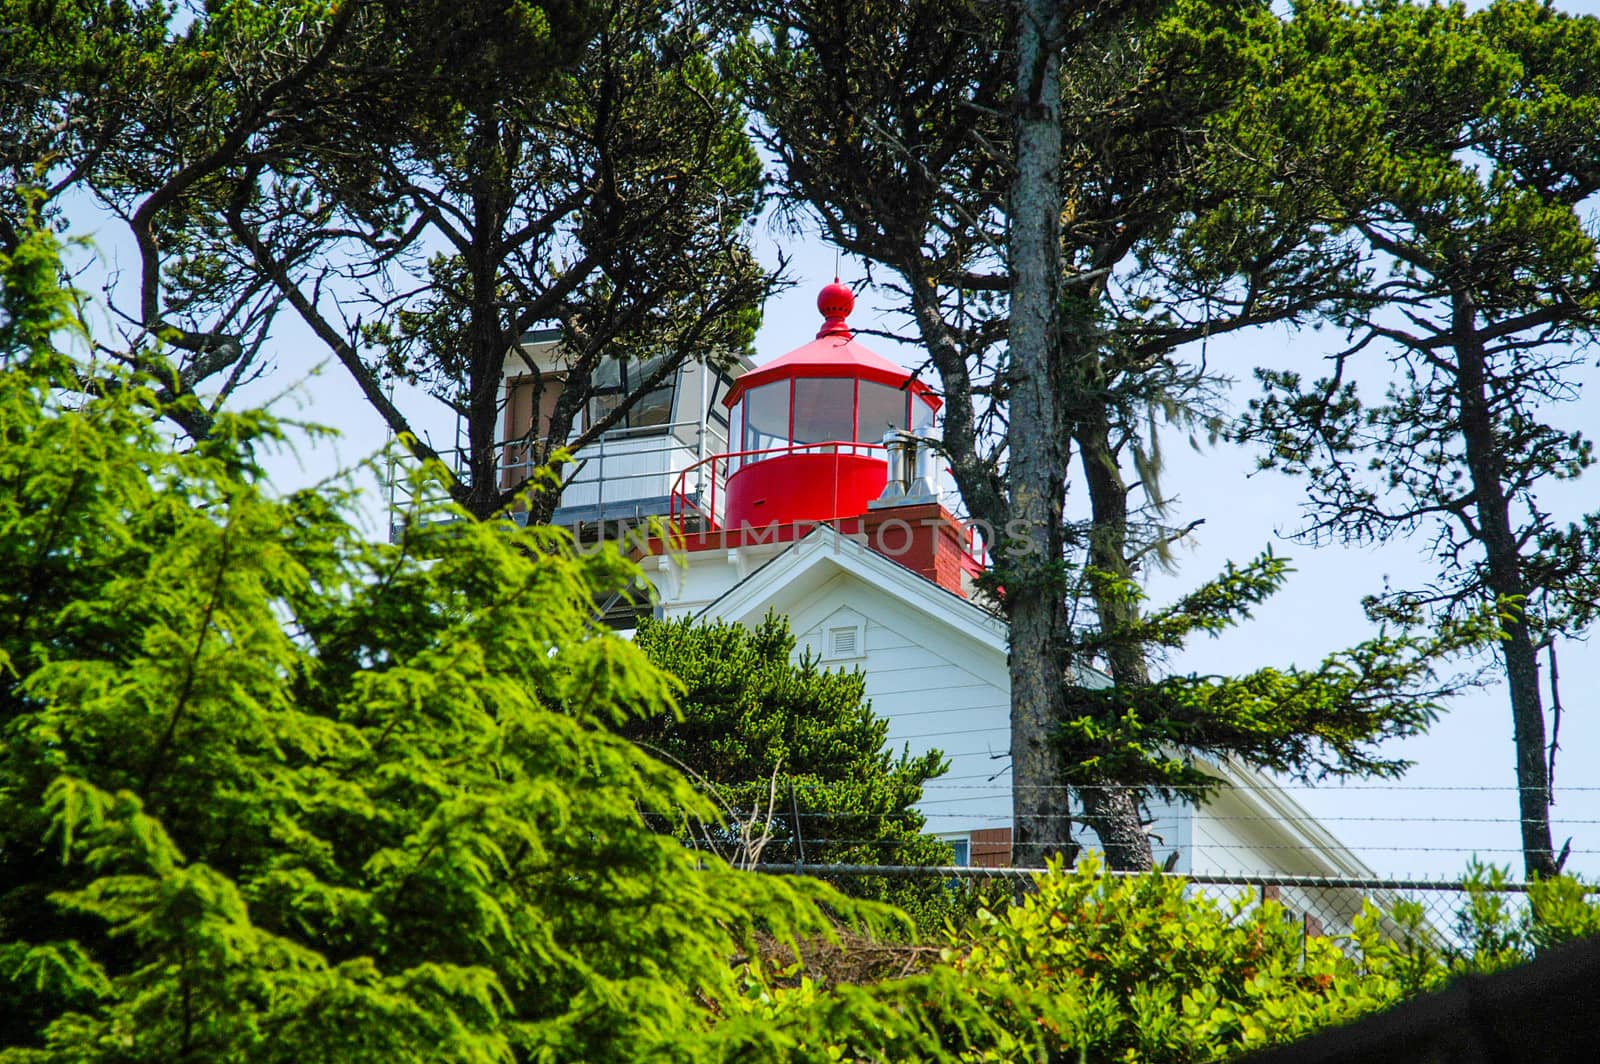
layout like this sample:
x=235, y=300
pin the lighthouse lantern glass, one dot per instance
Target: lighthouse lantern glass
x=766, y=416
x=883, y=408
x=824, y=409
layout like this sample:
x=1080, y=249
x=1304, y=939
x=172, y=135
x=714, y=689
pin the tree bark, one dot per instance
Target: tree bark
x=1039, y=446
x=1112, y=812
x=1505, y=580
x=487, y=341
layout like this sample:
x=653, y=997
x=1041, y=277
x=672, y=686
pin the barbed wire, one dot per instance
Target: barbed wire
x=1320, y=905
x=1210, y=818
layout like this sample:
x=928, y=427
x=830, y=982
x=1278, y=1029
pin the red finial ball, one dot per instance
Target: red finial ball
x=835, y=301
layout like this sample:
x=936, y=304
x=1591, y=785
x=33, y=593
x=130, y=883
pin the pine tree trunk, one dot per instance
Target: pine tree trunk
x=1036, y=469
x=486, y=340
x=1505, y=580
x=1112, y=812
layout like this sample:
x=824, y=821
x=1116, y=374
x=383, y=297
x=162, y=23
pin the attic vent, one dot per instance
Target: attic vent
x=843, y=642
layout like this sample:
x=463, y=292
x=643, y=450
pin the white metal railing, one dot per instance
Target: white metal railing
x=613, y=470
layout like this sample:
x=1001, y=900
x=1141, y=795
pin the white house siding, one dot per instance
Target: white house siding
x=935, y=668
x=1254, y=826
x=938, y=686
x=1172, y=831
x=1227, y=839
x=1236, y=832
x=934, y=687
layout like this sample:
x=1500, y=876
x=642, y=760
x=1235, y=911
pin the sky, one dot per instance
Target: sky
x=1458, y=801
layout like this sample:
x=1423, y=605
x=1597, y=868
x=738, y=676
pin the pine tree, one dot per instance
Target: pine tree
x=420, y=185
x=1064, y=196
x=1486, y=277
x=794, y=755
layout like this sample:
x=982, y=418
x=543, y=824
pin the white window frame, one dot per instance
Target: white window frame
x=961, y=842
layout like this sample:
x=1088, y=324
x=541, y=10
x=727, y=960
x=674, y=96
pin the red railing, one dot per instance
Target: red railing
x=704, y=502
x=716, y=469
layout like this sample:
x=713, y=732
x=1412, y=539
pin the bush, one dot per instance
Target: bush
x=799, y=748
x=1098, y=968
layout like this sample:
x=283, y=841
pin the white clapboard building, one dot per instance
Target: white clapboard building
x=798, y=488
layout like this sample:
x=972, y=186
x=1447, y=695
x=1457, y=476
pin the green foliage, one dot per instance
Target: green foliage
x=488, y=169
x=54, y=55
x=36, y=310
x=1098, y=968
x=420, y=183
x=1138, y=970
x=794, y=755
x=272, y=792
x=1094, y=967
x=1211, y=608
x=1494, y=934
x=1328, y=720
x=901, y=131
x=1468, y=195
x=609, y=128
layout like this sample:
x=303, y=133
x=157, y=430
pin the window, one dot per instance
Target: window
x=654, y=408
x=720, y=383
x=921, y=414
x=735, y=434
x=963, y=851
x=720, y=437
x=766, y=416
x=521, y=419
x=824, y=409
x=615, y=379
x=606, y=389
x=883, y=407
x=523, y=422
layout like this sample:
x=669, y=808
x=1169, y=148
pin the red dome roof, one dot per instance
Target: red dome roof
x=834, y=353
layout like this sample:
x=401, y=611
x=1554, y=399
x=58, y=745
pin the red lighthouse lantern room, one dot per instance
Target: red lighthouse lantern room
x=806, y=431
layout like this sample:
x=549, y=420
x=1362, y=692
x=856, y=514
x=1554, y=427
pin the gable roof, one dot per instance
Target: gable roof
x=1289, y=821
x=824, y=552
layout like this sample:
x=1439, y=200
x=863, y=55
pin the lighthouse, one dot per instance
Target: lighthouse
x=809, y=427
x=826, y=507
x=743, y=458
x=831, y=433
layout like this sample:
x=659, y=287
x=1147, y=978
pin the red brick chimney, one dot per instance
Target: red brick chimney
x=922, y=536
x=908, y=524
